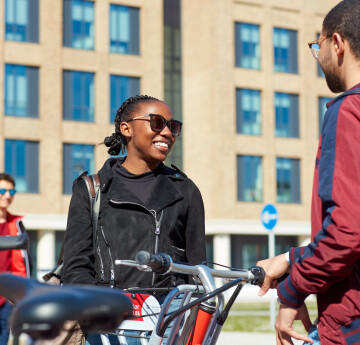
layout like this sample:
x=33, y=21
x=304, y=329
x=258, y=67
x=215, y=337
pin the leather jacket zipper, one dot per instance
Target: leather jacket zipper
x=157, y=235
x=102, y=274
x=157, y=229
x=112, y=269
x=157, y=224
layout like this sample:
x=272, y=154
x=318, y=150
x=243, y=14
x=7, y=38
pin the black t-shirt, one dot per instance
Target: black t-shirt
x=140, y=185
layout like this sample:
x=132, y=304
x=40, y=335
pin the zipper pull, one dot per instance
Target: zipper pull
x=157, y=229
x=112, y=279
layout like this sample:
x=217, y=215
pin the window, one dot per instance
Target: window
x=288, y=180
x=209, y=242
x=322, y=110
x=249, y=170
x=78, y=27
x=77, y=158
x=246, y=250
x=121, y=88
x=247, y=45
x=21, y=91
x=124, y=30
x=22, y=162
x=285, y=51
x=22, y=20
x=286, y=115
x=172, y=47
x=248, y=112
x=78, y=96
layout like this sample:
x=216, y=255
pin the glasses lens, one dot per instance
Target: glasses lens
x=175, y=127
x=11, y=191
x=315, y=47
x=157, y=123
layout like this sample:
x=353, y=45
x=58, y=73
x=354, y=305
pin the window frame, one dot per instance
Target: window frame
x=131, y=46
x=25, y=170
x=255, y=127
x=252, y=59
x=256, y=172
x=30, y=31
x=288, y=63
x=19, y=78
x=292, y=129
x=78, y=82
x=85, y=38
x=294, y=180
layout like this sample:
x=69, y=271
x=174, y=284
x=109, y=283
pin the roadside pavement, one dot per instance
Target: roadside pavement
x=227, y=338
x=253, y=338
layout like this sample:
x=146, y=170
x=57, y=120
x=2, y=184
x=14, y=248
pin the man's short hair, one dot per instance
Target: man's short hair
x=7, y=177
x=344, y=19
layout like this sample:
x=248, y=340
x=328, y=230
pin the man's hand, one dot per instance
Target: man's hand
x=284, y=324
x=274, y=268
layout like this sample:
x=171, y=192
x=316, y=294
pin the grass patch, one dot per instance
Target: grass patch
x=258, y=318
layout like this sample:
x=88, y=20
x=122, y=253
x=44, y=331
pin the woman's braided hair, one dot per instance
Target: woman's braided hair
x=117, y=142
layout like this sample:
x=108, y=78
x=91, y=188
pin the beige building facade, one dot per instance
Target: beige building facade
x=210, y=79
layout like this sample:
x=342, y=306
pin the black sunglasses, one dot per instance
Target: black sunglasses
x=11, y=191
x=158, y=123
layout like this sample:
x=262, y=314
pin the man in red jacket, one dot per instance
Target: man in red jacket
x=329, y=265
x=13, y=261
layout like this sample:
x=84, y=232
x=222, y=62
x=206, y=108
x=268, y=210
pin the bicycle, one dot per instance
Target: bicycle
x=209, y=311
x=103, y=309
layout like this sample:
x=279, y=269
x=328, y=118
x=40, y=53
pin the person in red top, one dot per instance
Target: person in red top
x=330, y=265
x=11, y=261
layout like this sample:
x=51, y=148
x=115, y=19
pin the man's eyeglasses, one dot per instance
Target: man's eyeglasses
x=315, y=45
x=158, y=123
x=11, y=191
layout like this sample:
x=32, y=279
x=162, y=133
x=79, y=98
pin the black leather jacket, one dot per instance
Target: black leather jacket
x=172, y=222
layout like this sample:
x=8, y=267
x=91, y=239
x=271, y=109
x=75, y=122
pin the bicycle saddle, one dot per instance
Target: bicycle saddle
x=42, y=309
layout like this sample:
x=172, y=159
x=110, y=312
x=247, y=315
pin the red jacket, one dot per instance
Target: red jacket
x=19, y=257
x=329, y=265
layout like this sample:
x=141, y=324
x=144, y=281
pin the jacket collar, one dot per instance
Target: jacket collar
x=165, y=191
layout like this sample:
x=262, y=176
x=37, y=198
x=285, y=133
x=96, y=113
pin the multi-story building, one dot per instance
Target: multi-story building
x=238, y=73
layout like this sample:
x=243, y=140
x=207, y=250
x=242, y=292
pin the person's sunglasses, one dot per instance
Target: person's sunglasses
x=158, y=123
x=11, y=191
x=315, y=45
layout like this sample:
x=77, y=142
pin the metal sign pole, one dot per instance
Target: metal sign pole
x=271, y=239
x=269, y=218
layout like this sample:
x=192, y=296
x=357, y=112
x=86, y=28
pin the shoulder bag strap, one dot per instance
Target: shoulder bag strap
x=93, y=185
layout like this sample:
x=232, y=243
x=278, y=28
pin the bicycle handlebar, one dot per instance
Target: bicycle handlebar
x=159, y=263
x=162, y=263
x=14, y=242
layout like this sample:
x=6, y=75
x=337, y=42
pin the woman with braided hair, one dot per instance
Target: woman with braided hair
x=144, y=205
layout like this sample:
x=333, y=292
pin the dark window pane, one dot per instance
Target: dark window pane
x=286, y=115
x=249, y=178
x=77, y=158
x=247, y=45
x=78, y=28
x=22, y=162
x=121, y=88
x=285, y=50
x=248, y=111
x=21, y=20
x=288, y=180
x=124, y=30
x=78, y=96
x=21, y=91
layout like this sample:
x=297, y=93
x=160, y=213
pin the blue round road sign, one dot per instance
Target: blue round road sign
x=269, y=216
